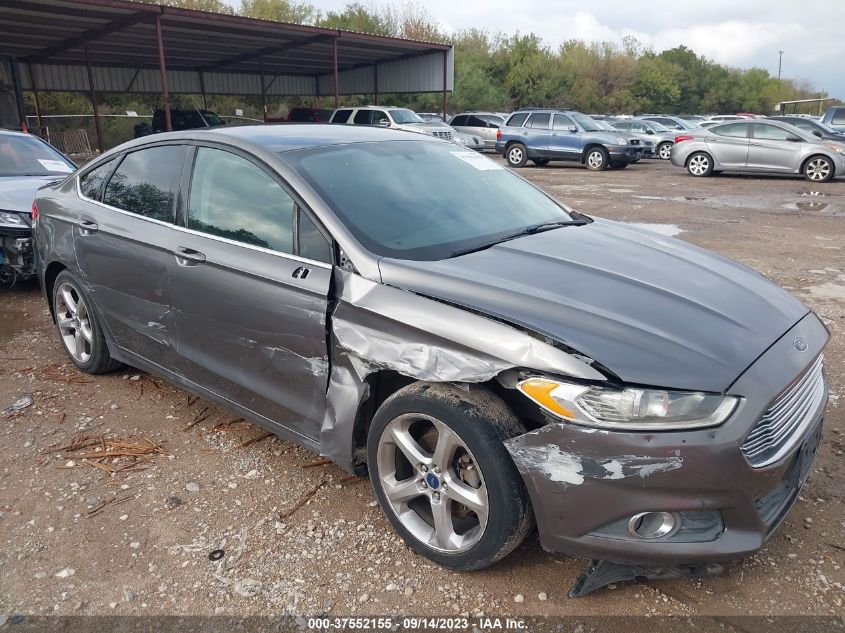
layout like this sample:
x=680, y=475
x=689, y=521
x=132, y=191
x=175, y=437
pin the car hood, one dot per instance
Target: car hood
x=653, y=310
x=18, y=192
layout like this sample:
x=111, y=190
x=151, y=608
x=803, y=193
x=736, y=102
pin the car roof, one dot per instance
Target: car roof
x=290, y=136
x=373, y=107
x=6, y=132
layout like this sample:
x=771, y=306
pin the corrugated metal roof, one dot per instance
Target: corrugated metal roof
x=229, y=51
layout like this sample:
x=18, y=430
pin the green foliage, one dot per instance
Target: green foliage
x=280, y=10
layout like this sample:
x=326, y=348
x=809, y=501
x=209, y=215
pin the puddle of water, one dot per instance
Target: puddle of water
x=671, y=198
x=621, y=191
x=827, y=291
x=669, y=230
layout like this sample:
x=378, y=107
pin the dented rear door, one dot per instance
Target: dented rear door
x=250, y=315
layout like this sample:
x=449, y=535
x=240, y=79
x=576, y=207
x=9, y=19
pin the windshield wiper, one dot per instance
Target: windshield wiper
x=529, y=230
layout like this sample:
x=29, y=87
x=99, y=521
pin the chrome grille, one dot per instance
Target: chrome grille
x=781, y=425
x=446, y=135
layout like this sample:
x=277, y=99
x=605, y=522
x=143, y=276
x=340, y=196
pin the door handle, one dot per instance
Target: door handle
x=88, y=227
x=300, y=273
x=187, y=256
x=525, y=133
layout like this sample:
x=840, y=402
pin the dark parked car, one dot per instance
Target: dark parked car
x=179, y=120
x=26, y=163
x=309, y=115
x=835, y=118
x=812, y=126
x=545, y=135
x=488, y=355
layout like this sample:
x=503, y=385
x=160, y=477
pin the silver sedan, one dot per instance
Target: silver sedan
x=758, y=146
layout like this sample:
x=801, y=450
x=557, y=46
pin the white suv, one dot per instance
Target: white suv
x=392, y=117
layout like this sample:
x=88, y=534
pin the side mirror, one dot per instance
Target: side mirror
x=573, y=129
x=794, y=139
x=679, y=127
x=383, y=123
x=817, y=133
x=649, y=131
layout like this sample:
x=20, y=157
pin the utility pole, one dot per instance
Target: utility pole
x=780, y=86
x=780, y=63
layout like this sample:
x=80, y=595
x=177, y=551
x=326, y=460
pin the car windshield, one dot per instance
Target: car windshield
x=604, y=125
x=589, y=125
x=405, y=116
x=28, y=156
x=423, y=200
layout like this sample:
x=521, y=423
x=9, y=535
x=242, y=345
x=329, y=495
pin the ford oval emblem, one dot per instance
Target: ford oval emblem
x=800, y=344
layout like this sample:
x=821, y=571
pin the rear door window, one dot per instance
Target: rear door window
x=517, y=119
x=146, y=181
x=540, y=120
x=341, y=116
x=474, y=121
x=459, y=120
x=734, y=130
x=233, y=198
x=363, y=117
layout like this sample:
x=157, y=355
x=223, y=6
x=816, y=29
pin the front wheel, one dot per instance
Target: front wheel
x=700, y=164
x=443, y=477
x=79, y=329
x=818, y=169
x=516, y=155
x=597, y=159
x=664, y=150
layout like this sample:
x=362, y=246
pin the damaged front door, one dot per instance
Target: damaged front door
x=250, y=314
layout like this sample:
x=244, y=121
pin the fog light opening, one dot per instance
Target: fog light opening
x=653, y=525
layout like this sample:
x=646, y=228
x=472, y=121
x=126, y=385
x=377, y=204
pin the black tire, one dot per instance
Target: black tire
x=481, y=422
x=664, y=150
x=623, y=165
x=818, y=169
x=597, y=159
x=516, y=154
x=540, y=162
x=700, y=164
x=95, y=359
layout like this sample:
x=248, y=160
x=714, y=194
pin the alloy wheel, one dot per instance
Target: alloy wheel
x=698, y=165
x=665, y=151
x=595, y=159
x=432, y=483
x=515, y=155
x=74, y=322
x=818, y=169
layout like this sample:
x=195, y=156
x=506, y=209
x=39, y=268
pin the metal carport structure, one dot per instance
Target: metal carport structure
x=116, y=46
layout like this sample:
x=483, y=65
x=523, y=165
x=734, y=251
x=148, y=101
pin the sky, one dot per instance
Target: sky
x=740, y=33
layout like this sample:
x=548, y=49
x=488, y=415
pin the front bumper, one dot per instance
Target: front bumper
x=16, y=251
x=586, y=483
x=625, y=153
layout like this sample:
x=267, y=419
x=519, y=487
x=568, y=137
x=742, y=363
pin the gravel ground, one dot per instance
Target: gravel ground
x=301, y=537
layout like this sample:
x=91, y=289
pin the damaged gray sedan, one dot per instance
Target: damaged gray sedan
x=412, y=310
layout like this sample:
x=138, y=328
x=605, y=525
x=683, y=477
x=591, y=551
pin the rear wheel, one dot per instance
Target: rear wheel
x=516, y=155
x=664, y=150
x=818, y=169
x=700, y=164
x=540, y=162
x=597, y=159
x=79, y=329
x=443, y=476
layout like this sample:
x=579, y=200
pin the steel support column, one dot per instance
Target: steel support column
x=15, y=70
x=375, y=84
x=202, y=90
x=263, y=90
x=34, y=87
x=165, y=93
x=98, y=127
x=445, y=74
x=335, y=73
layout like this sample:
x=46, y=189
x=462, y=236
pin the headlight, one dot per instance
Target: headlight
x=839, y=149
x=629, y=409
x=621, y=141
x=12, y=219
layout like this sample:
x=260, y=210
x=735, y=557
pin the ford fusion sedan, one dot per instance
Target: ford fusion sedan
x=756, y=146
x=490, y=357
x=26, y=163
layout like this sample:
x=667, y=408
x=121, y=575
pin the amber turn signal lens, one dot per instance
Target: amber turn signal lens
x=540, y=391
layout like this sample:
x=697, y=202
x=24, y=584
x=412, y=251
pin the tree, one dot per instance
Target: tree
x=289, y=11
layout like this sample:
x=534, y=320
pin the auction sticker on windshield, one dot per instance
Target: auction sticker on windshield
x=482, y=163
x=55, y=165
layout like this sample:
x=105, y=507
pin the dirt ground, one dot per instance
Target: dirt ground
x=77, y=539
